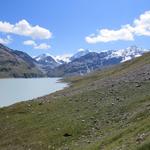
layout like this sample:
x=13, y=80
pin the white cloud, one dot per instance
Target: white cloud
x=29, y=42
x=6, y=27
x=43, y=46
x=25, y=29
x=140, y=27
x=81, y=49
x=6, y=40
x=106, y=35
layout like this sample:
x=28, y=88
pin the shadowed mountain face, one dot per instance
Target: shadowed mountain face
x=25, y=57
x=15, y=63
x=104, y=110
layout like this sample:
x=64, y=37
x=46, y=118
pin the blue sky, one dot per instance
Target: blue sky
x=66, y=24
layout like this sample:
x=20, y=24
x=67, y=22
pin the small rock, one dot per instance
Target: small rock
x=92, y=118
x=112, y=103
x=141, y=137
x=117, y=98
x=29, y=105
x=39, y=113
x=138, y=85
x=67, y=135
x=88, y=141
x=49, y=146
x=95, y=121
x=57, y=129
x=40, y=103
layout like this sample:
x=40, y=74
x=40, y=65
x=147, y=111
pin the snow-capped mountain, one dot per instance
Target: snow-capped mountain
x=42, y=56
x=93, y=61
x=60, y=59
x=128, y=53
x=80, y=53
x=68, y=57
x=86, y=61
x=46, y=60
x=82, y=62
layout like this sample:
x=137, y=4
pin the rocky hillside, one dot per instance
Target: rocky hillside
x=104, y=110
x=15, y=63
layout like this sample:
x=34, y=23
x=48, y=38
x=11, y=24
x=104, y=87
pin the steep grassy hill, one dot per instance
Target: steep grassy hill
x=107, y=110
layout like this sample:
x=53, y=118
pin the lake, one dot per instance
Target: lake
x=16, y=90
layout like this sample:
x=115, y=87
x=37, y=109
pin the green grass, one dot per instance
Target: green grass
x=94, y=113
x=145, y=146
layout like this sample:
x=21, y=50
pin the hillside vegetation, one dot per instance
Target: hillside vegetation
x=105, y=110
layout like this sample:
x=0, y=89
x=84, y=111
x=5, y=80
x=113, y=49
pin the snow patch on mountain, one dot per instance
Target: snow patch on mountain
x=63, y=58
x=128, y=53
x=81, y=52
x=42, y=56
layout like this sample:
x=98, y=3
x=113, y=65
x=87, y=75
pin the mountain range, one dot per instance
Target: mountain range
x=86, y=61
x=14, y=63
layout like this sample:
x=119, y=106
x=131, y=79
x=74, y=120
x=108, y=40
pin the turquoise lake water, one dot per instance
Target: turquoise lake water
x=16, y=90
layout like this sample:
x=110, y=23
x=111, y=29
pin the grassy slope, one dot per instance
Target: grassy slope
x=108, y=110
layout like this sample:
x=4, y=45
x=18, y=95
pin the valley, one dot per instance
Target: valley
x=108, y=110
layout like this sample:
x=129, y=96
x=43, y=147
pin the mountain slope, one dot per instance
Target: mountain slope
x=15, y=63
x=108, y=110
